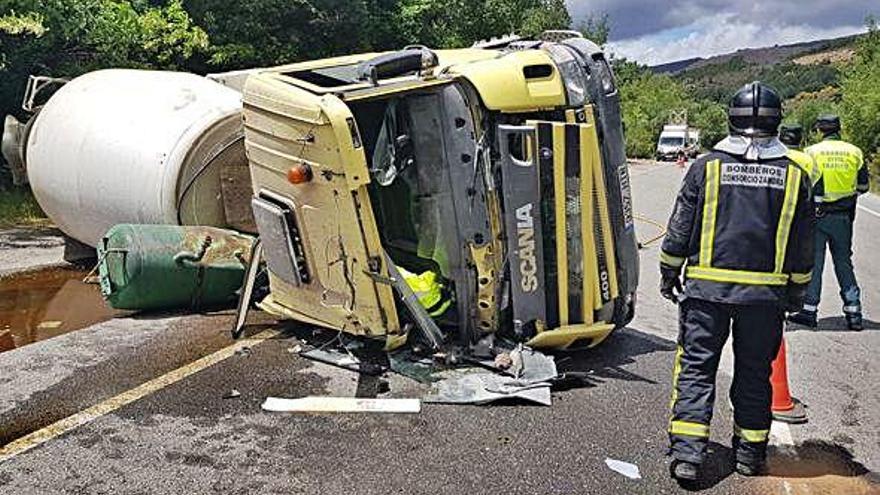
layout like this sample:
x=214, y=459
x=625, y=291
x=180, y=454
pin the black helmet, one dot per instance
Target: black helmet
x=828, y=124
x=755, y=111
x=791, y=134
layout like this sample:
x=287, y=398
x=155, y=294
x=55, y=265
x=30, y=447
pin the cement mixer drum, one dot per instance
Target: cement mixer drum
x=129, y=146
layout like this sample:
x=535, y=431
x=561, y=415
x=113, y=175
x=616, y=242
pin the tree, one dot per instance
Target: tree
x=860, y=105
x=249, y=33
x=647, y=100
x=710, y=118
x=596, y=28
x=806, y=107
x=63, y=38
x=460, y=23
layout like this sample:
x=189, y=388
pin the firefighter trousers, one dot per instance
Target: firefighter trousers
x=704, y=328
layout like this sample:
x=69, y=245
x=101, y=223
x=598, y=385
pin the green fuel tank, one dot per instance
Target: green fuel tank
x=166, y=267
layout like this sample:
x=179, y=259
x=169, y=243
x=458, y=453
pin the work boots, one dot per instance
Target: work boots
x=684, y=472
x=751, y=458
x=805, y=318
x=750, y=469
x=854, y=321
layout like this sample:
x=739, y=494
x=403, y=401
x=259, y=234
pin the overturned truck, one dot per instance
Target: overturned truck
x=495, y=175
x=443, y=198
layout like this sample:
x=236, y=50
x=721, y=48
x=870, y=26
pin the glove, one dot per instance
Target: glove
x=794, y=298
x=670, y=283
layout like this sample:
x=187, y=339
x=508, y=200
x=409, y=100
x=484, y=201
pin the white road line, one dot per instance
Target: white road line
x=869, y=211
x=780, y=434
x=70, y=423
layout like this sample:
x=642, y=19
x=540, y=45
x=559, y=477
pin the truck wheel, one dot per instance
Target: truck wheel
x=624, y=311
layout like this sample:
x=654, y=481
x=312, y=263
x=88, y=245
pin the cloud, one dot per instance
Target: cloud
x=718, y=34
x=637, y=18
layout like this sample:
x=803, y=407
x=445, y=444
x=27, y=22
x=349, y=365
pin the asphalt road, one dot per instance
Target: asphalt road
x=188, y=437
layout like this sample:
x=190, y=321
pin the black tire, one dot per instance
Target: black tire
x=624, y=311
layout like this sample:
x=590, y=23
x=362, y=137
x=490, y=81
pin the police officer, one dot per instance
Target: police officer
x=843, y=177
x=792, y=136
x=742, y=232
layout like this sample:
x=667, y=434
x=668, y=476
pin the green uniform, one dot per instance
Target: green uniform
x=842, y=177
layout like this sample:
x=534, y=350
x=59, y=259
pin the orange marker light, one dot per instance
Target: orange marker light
x=299, y=174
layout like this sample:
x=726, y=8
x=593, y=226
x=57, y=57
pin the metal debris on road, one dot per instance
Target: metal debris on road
x=631, y=471
x=503, y=361
x=342, y=405
x=482, y=387
x=233, y=394
x=406, y=363
x=533, y=373
x=343, y=360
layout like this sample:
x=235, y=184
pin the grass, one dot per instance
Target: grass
x=19, y=208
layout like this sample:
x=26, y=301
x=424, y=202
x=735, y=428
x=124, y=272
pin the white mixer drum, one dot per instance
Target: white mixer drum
x=130, y=146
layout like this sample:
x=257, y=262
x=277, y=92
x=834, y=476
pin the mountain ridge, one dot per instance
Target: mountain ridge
x=764, y=55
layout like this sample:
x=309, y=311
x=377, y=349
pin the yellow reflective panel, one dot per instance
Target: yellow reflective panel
x=563, y=337
x=753, y=436
x=592, y=293
x=689, y=429
x=591, y=141
x=789, y=206
x=710, y=212
x=736, y=276
x=559, y=201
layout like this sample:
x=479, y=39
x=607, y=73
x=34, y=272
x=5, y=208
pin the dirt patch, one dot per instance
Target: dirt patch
x=821, y=468
x=42, y=304
x=835, y=57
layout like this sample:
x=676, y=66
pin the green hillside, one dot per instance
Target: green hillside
x=839, y=76
x=718, y=81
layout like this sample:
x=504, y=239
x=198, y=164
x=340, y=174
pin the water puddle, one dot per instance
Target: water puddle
x=819, y=468
x=42, y=304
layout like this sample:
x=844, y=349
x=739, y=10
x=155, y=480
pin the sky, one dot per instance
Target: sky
x=656, y=32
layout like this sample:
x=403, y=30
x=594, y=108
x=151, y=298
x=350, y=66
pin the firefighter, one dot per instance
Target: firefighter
x=742, y=233
x=843, y=177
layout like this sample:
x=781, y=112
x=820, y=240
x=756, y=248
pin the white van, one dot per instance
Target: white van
x=676, y=140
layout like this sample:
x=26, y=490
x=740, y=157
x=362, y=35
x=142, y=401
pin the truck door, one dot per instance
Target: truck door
x=321, y=244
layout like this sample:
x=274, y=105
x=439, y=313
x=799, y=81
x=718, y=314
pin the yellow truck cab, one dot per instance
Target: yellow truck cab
x=498, y=169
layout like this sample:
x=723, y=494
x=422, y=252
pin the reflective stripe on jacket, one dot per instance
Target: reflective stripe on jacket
x=745, y=229
x=806, y=163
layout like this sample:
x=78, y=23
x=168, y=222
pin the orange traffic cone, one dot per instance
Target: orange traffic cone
x=784, y=408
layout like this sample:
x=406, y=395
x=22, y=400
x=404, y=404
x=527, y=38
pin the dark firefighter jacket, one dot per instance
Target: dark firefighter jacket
x=744, y=228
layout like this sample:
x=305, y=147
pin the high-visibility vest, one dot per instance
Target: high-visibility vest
x=839, y=163
x=428, y=290
x=806, y=163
